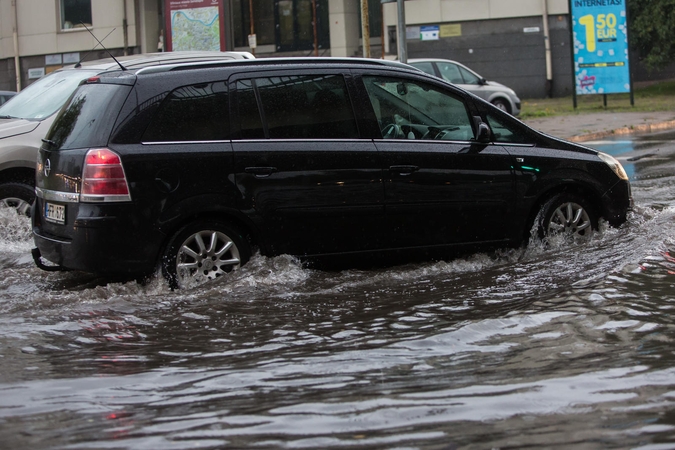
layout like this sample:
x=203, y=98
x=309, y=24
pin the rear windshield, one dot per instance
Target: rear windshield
x=88, y=118
x=44, y=97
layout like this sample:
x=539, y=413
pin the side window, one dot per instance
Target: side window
x=450, y=72
x=192, y=113
x=469, y=78
x=296, y=107
x=507, y=130
x=407, y=109
x=250, y=122
x=426, y=67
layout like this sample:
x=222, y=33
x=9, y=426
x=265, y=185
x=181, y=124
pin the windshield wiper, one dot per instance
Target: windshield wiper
x=8, y=117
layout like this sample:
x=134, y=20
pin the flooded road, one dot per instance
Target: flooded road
x=570, y=346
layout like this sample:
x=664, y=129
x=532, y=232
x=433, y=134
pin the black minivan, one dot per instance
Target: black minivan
x=191, y=167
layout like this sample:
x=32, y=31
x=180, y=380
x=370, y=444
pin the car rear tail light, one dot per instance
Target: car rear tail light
x=103, y=178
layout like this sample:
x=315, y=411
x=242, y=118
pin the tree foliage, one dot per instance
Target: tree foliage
x=652, y=31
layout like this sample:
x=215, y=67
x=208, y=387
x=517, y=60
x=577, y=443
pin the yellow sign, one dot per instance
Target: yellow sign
x=451, y=30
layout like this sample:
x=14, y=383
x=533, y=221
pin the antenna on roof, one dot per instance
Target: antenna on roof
x=108, y=52
x=79, y=63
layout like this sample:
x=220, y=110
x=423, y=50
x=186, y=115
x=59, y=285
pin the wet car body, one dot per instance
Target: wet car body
x=341, y=187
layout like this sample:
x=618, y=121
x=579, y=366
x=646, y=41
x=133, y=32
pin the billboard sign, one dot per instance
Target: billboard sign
x=195, y=25
x=600, y=34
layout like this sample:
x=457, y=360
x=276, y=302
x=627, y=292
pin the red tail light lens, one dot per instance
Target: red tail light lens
x=103, y=178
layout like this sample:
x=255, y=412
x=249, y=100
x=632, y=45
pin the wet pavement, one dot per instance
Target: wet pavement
x=564, y=346
x=590, y=126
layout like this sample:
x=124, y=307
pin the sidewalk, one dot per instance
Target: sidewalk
x=585, y=127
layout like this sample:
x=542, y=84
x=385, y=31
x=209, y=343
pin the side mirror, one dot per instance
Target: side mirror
x=483, y=82
x=483, y=134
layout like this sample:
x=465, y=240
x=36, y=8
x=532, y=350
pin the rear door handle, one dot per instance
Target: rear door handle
x=403, y=169
x=261, y=172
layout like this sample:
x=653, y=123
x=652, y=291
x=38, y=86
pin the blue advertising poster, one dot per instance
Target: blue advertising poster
x=600, y=36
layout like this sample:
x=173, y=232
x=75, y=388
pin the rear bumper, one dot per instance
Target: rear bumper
x=107, y=244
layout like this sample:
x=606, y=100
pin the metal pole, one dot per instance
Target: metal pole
x=402, y=44
x=547, y=46
x=630, y=64
x=365, y=29
x=382, y=31
x=314, y=25
x=250, y=11
x=17, y=62
x=125, y=30
x=574, y=79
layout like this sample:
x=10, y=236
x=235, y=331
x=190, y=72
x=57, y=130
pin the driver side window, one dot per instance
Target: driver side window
x=407, y=109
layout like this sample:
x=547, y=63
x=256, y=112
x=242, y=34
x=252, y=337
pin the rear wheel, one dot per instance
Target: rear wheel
x=203, y=251
x=570, y=215
x=17, y=195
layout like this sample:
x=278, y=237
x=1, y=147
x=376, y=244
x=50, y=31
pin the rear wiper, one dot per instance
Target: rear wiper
x=48, y=142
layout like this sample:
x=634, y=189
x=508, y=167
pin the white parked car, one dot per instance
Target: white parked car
x=499, y=95
x=26, y=119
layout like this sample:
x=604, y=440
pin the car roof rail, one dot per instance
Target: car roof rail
x=276, y=61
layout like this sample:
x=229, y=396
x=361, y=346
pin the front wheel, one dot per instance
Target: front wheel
x=203, y=251
x=569, y=215
x=17, y=195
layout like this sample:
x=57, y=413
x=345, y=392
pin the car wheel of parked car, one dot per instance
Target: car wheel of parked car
x=568, y=214
x=203, y=251
x=502, y=104
x=19, y=196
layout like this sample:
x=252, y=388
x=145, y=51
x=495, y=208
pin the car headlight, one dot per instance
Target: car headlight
x=614, y=164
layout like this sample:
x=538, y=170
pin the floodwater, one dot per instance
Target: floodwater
x=571, y=346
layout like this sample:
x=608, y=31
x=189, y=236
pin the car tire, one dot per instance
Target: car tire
x=203, y=251
x=502, y=104
x=569, y=214
x=17, y=195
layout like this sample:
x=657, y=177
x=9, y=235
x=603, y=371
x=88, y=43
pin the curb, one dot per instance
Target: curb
x=646, y=128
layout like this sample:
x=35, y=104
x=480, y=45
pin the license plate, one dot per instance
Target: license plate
x=55, y=213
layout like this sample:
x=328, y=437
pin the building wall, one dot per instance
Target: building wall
x=502, y=40
x=500, y=50
x=41, y=42
x=343, y=16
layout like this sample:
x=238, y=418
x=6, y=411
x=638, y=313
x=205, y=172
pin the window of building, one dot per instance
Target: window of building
x=286, y=24
x=74, y=13
x=263, y=21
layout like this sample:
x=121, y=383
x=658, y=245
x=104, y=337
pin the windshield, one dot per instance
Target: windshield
x=44, y=97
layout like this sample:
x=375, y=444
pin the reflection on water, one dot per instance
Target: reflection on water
x=569, y=347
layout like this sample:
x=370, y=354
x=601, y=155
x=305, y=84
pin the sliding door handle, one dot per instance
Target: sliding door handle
x=260, y=172
x=403, y=169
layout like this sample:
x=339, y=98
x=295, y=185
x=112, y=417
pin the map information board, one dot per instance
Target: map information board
x=195, y=25
x=600, y=36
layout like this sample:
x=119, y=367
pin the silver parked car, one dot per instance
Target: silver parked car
x=24, y=121
x=6, y=95
x=499, y=95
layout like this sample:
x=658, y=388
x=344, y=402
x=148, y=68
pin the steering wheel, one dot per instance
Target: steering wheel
x=432, y=133
x=438, y=133
x=392, y=131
